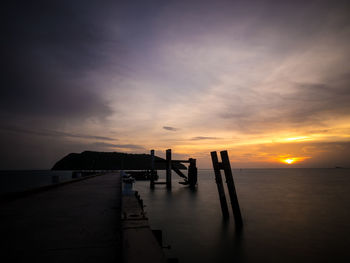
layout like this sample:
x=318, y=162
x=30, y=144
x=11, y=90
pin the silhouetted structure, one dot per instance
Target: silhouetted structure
x=192, y=173
x=152, y=179
x=143, y=175
x=168, y=168
x=225, y=165
x=190, y=180
x=219, y=184
x=89, y=160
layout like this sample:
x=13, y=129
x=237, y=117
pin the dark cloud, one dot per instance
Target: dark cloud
x=47, y=53
x=168, y=128
x=121, y=146
x=54, y=133
x=29, y=94
x=198, y=138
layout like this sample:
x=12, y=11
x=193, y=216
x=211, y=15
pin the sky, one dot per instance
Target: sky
x=269, y=81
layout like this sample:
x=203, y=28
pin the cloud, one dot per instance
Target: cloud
x=121, y=146
x=198, y=138
x=168, y=128
x=304, y=105
x=52, y=133
x=230, y=69
x=50, y=61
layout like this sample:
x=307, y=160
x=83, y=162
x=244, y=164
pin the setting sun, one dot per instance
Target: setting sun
x=289, y=161
x=292, y=160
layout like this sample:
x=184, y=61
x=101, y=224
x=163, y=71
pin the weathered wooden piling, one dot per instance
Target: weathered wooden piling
x=192, y=173
x=168, y=168
x=152, y=170
x=170, y=165
x=219, y=184
x=231, y=188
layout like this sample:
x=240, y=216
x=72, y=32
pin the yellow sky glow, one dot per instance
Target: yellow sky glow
x=289, y=160
x=272, y=149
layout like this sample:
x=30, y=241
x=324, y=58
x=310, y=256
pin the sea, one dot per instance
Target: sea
x=289, y=215
x=13, y=181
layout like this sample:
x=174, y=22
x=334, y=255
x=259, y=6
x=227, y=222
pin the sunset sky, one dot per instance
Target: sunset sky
x=269, y=81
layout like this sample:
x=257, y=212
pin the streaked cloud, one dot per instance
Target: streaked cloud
x=54, y=133
x=199, y=138
x=119, y=146
x=168, y=128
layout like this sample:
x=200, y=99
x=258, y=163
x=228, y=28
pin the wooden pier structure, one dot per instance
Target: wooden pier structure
x=190, y=179
x=225, y=165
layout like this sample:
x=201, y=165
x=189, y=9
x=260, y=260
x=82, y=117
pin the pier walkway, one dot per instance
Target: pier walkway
x=77, y=222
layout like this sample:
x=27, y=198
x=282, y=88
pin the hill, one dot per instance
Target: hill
x=89, y=160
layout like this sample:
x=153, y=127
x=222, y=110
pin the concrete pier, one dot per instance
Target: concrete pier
x=77, y=222
x=139, y=242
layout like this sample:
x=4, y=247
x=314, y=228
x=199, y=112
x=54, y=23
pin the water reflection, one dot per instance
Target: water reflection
x=289, y=215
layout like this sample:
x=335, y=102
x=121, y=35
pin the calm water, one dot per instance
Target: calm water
x=21, y=180
x=290, y=215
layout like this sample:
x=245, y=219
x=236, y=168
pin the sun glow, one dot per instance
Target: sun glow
x=300, y=138
x=292, y=160
x=289, y=160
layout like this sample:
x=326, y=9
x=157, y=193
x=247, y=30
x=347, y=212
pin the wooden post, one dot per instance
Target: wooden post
x=192, y=173
x=168, y=168
x=231, y=189
x=152, y=170
x=219, y=184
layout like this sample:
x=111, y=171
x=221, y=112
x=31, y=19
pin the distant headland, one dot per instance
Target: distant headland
x=90, y=160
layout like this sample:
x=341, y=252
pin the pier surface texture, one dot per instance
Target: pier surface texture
x=77, y=222
x=139, y=242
